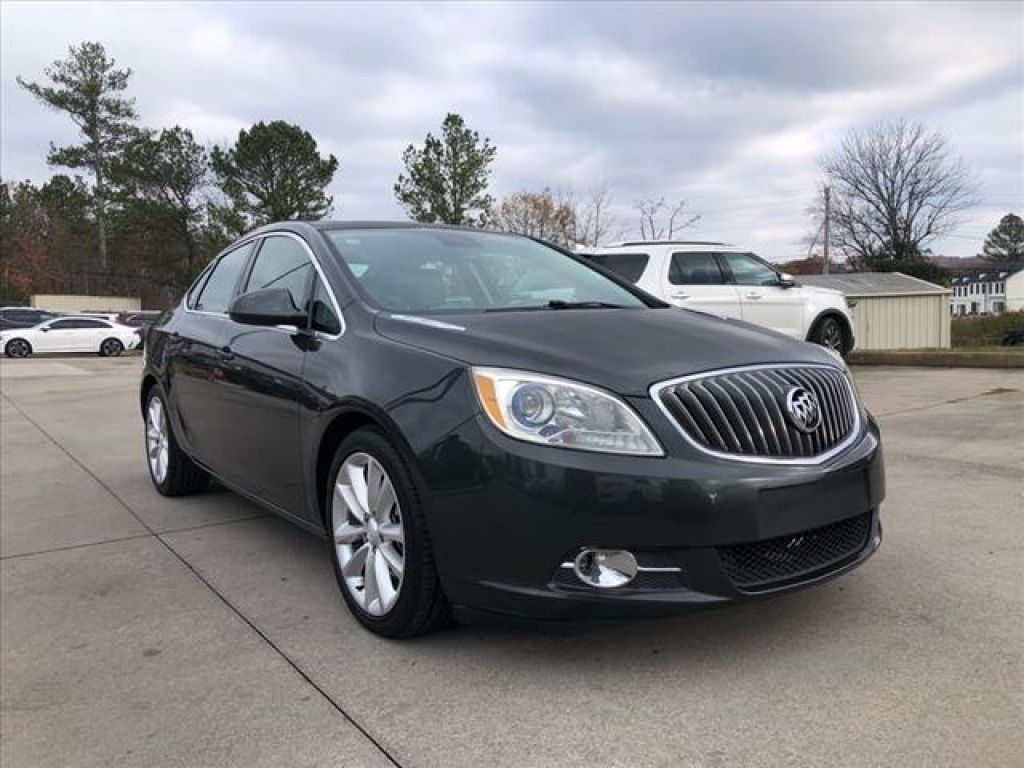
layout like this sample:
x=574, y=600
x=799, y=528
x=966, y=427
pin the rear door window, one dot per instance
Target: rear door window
x=629, y=266
x=216, y=294
x=695, y=269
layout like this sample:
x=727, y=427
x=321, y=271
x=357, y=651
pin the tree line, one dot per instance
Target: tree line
x=141, y=210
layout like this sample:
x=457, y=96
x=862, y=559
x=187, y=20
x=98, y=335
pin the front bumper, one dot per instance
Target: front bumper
x=506, y=515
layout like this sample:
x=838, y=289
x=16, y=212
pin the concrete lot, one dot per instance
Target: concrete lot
x=137, y=630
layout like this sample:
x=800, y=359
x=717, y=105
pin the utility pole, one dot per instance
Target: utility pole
x=828, y=216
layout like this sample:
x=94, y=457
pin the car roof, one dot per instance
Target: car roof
x=660, y=245
x=83, y=317
x=333, y=225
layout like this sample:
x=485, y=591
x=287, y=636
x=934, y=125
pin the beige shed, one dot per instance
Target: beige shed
x=892, y=310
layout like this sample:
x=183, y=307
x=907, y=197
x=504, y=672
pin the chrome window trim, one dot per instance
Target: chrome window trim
x=855, y=430
x=316, y=265
x=206, y=271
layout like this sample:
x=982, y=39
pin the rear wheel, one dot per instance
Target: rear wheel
x=379, y=544
x=18, y=348
x=829, y=334
x=172, y=471
x=111, y=348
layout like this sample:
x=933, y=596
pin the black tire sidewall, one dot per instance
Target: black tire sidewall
x=118, y=348
x=418, y=572
x=823, y=325
x=7, y=348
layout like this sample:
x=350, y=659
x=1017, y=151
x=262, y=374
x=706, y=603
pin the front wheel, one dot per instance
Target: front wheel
x=828, y=333
x=379, y=544
x=172, y=471
x=111, y=348
x=18, y=348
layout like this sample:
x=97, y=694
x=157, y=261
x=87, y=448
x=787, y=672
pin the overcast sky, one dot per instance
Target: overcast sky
x=726, y=105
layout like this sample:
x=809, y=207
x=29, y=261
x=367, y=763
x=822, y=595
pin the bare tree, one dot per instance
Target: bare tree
x=895, y=187
x=541, y=214
x=595, y=222
x=660, y=221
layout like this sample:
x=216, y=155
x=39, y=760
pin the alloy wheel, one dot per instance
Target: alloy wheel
x=157, y=444
x=18, y=348
x=110, y=348
x=832, y=337
x=369, y=537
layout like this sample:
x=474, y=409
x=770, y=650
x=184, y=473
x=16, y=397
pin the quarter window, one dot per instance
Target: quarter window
x=281, y=263
x=694, y=269
x=748, y=270
x=321, y=311
x=629, y=266
x=216, y=294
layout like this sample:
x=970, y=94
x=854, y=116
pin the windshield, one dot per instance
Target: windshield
x=439, y=270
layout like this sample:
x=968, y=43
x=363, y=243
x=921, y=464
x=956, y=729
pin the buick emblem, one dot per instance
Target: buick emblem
x=803, y=409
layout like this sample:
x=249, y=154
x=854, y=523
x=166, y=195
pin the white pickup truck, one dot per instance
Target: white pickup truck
x=728, y=281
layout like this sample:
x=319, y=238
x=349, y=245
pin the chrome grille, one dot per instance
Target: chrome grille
x=742, y=413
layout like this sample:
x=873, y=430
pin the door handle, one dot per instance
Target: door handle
x=679, y=295
x=754, y=296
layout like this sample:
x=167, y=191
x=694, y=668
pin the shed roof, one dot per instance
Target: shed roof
x=874, y=284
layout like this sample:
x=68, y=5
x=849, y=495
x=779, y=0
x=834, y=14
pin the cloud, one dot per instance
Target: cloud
x=726, y=105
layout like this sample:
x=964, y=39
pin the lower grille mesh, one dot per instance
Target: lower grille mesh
x=773, y=562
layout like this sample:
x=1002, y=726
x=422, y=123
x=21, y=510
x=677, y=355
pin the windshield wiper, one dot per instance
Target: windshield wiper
x=560, y=304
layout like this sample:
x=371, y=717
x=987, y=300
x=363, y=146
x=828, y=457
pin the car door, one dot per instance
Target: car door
x=695, y=280
x=763, y=298
x=89, y=334
x=194, y=352
x=55, y=336
x=259, y=381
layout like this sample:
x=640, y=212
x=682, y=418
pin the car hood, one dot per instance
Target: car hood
x=822, y=291
x=623, y=350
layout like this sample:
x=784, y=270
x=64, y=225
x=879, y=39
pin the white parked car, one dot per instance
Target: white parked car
x=70, y=334
x=728, y=281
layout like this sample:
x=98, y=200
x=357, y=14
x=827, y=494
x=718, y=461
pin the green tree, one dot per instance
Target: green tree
x=445, y=180
x=41, y=234
x=88, y=87
x=1005, y=243
x=273, y=172
x=163, y=175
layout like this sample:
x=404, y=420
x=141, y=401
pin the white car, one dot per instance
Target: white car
x=70, y=334
x=724, y=280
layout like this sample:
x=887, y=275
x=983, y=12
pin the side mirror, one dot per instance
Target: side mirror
x=272, y=306
x=786, y=280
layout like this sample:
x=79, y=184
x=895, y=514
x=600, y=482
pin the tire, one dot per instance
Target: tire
x=829, y=333
x=18, y=348
x=398, y=532
x=173, y=473
x=111, y=348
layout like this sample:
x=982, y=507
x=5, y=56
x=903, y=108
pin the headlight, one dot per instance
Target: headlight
x=550, y=411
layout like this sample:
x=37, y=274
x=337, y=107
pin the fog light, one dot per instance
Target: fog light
x=605, y=568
